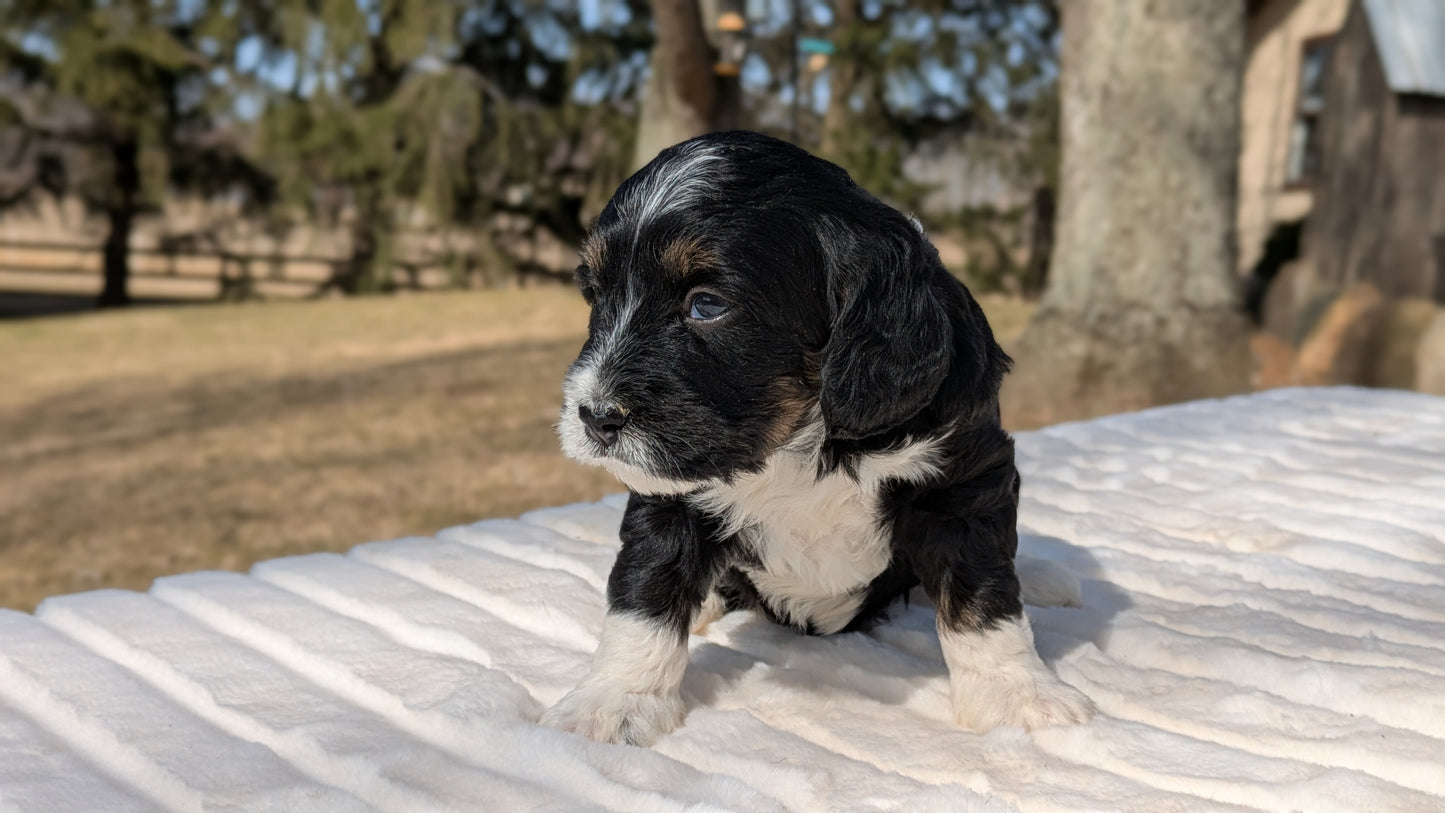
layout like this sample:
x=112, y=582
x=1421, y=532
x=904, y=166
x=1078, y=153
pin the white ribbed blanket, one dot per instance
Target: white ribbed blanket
x=1264, y=581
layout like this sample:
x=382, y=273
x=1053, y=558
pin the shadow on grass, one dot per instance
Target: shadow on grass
x=113, y=484
x=117, y=415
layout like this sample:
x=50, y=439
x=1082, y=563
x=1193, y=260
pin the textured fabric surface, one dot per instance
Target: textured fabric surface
x=1264, y=627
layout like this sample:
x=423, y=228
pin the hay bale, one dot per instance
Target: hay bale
x=1336, y=350
x=1391, y=356
x=1430, y=357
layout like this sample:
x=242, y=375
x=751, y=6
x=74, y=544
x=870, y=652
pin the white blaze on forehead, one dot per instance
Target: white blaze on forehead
x=678, y=181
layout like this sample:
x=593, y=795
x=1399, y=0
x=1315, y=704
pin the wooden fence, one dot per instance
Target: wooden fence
x=75, y=269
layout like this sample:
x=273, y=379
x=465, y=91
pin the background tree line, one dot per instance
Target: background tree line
x=495, y=116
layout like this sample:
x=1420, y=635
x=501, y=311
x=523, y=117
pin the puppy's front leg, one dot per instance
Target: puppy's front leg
x=632, y=694
x=995, y=675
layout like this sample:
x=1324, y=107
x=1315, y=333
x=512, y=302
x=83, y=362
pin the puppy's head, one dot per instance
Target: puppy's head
x=740, y=290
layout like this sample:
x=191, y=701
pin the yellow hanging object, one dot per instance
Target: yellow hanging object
x=731, y=21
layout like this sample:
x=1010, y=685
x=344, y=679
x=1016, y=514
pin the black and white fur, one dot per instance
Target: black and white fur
x=804, y=404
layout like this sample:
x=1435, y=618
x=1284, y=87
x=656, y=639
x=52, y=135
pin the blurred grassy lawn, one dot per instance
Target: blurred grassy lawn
x=142, y=443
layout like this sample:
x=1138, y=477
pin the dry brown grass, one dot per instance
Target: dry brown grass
x=158, y=441
x=138, y=444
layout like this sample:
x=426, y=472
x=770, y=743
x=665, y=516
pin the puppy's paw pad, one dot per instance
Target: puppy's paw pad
x=615, y=717
x=1028, y=701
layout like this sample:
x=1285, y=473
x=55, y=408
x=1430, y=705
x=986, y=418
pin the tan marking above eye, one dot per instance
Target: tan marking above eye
x=685, y=256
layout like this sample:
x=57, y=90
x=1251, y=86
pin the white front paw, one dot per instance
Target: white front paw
x=996, y=678
x=1024, y=697
x=607, y=715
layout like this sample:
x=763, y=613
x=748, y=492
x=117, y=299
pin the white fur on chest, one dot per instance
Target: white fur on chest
x=819, y=541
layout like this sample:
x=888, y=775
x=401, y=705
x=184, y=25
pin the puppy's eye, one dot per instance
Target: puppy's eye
x=704, y=306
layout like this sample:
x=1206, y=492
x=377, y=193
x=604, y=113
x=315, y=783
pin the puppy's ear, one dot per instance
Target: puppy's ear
x=891, y=343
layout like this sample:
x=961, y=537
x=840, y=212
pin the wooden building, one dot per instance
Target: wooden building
x=1288, y=41
x=1378, y=213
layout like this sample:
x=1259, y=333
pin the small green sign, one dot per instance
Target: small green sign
x=814, y=45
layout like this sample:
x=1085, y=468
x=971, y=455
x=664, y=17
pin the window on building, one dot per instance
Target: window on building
x=1304, y=147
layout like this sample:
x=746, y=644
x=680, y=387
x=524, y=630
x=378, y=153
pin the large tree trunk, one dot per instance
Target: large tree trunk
x=121, y=216
x=1141, y=306
x=683, y=97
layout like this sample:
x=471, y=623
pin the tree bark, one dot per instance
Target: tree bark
x=1141, y=306
x=683, y=97
x=121, y=215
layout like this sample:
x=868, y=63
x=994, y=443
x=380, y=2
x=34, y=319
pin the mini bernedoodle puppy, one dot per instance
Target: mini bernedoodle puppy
x=804, y=405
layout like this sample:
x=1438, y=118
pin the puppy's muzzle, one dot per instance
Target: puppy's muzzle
x=602, y=422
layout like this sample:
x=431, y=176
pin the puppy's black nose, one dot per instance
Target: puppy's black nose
x=603, y=423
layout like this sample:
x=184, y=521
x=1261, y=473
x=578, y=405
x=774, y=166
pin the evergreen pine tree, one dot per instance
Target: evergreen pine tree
x=119, y=101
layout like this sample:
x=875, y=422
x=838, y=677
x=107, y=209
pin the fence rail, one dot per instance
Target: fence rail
x=37, y=266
